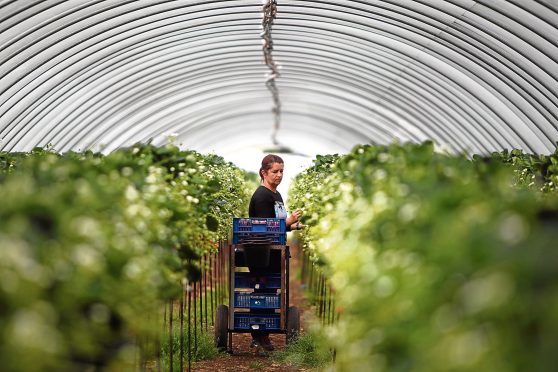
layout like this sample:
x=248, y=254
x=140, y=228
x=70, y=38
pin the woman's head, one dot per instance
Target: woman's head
x=272, y=169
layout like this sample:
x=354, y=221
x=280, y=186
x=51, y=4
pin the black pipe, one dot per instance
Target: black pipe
x=204, y=268
x=158, y=338
x=181, y=315
x=195, y=296
x=189, y=327
x=170, y=337
x=211, y=285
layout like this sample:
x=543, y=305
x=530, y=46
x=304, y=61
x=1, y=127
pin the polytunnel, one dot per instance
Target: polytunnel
x=473, y=76
x=420, y=235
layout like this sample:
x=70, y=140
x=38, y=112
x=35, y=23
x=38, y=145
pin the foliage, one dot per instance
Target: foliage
x=308, y=193
x=92, y=244
x=308, y=351
x=532, y=171
x=437, y=262
x=203, y=348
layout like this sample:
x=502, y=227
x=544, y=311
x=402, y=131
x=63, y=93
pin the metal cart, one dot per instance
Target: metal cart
x=258, y=284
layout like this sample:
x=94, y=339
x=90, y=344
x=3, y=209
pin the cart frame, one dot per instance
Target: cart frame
x=289, y=323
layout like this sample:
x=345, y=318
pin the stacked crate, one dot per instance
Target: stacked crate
x=257, y=298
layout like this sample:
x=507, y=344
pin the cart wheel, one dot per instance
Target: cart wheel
x=293, y=324
x=221, y=327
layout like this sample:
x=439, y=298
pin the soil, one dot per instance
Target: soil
x=245, y=358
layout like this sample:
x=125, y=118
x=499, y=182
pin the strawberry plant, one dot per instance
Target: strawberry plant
x=91, y=245
x=438, y=262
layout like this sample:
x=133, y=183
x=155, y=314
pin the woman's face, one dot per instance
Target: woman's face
x=274, y=175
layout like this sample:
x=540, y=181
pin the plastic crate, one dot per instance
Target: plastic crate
x=259, y=225
x=248, y=280
x=259, y=231
x=257, y=300
x=257, y=321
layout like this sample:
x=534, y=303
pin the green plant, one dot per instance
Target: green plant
x=256, y=366
x=202, y=347
x=436, y=260
x=308, y=351
x=92, y=245
x=533, y=171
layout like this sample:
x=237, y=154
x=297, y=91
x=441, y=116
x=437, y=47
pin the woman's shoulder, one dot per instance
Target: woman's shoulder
x=263, y=190
x=263, y=193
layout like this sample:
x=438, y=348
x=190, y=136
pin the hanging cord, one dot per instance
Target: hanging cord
x=269, y=12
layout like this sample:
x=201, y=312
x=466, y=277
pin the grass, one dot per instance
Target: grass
x=307, y=351
x=204, y=349
x=256, y=365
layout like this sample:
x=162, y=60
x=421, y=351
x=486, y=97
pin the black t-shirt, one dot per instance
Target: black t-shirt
x=266, y=204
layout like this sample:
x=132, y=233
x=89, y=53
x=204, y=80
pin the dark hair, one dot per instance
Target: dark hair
x=267, y=163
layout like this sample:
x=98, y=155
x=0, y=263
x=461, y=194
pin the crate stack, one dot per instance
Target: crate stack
x=257, y=297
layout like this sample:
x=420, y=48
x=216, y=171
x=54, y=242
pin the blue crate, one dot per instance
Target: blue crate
x=259, y=231
x=257, y=300
x=270, y=322
x=248, y=280
x=259, y=225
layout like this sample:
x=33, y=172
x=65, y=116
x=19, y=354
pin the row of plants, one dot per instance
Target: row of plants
x=533, y=171
x=92, y=245
x=438, y=262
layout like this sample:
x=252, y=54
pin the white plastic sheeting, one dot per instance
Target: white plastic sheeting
x=473, y=76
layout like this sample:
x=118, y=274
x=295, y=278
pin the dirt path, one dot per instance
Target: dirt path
x=245, y=359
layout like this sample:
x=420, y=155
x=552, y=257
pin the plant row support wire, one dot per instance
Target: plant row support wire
x=195, y=308
x=320, y=290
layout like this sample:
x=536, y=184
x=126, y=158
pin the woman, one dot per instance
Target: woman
x=267, y=202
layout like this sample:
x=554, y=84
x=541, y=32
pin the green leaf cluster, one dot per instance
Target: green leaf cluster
x=90, y=245
x=534, y=171
x=438, y=262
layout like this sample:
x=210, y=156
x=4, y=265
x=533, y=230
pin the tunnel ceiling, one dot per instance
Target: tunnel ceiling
x=473, y=76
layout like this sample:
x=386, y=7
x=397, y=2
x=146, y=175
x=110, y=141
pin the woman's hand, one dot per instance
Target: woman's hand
x=297, y=226
x=293, y=217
